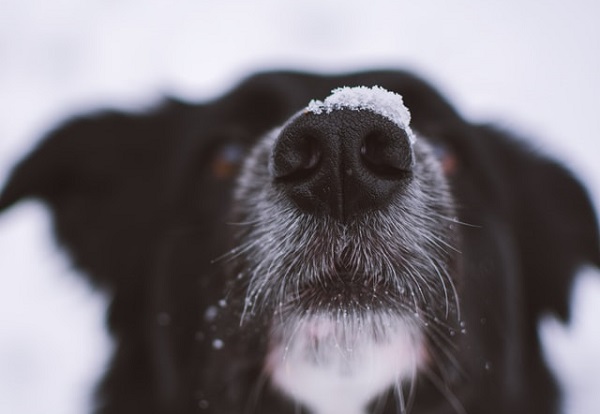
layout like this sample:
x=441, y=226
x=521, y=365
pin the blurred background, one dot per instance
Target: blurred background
x=530, y=66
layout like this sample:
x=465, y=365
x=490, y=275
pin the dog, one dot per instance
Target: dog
x=289, y=249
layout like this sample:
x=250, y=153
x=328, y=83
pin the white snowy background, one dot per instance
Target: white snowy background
x=533, y=66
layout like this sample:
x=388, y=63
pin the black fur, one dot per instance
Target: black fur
x=144, y=204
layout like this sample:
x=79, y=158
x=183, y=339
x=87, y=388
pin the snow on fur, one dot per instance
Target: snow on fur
x=376, y=99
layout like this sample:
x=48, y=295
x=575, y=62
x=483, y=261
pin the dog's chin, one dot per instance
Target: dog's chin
x=346, y=293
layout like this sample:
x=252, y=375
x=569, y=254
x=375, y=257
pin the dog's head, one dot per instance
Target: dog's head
x=355, y=246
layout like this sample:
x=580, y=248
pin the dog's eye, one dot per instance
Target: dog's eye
x=226, y=161
x=447, y=158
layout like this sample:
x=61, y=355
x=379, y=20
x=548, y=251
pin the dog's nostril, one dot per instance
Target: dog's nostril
x=385, y=154
x=295, y=157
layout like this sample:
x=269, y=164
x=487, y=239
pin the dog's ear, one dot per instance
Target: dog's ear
x=102, y=177
x=112, y=178
x=555, y=221
x=84, y=155
x=559, y=236
x=115, y=181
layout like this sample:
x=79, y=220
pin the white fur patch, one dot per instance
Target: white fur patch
x=339, y=366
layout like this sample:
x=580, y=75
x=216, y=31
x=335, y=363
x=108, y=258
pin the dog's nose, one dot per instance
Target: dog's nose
x=342, y=163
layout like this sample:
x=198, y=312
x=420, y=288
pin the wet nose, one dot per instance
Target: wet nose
x=343, y=163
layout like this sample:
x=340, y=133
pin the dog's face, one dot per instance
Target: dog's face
x=326, y=230
x=348, y=240
x=266, y=253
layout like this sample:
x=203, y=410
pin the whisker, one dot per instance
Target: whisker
x=258, y=221
x=440, y=243
x=445, y=289
x=445, y=391
x=441, y=338
x=454, y=220
x=412, y=390
x=400, y=397
x=236, y=251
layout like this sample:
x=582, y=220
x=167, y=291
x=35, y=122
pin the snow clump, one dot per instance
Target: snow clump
x=377, y=99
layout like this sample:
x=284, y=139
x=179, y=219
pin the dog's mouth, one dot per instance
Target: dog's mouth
x=347, y=291
x=316, y=266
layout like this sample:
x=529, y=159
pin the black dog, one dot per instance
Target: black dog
x=267, y=255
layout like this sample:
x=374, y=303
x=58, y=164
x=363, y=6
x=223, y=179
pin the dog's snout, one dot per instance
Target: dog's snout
x=343, y=163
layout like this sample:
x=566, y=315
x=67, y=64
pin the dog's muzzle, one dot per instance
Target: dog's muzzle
x=342, y=208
